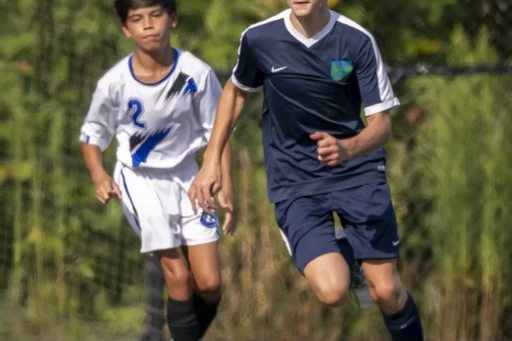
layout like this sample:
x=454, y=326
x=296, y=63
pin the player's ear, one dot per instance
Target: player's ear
x=173, y=19
x=126, y=31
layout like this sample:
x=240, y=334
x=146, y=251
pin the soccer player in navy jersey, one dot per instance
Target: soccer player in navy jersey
x=317, y=69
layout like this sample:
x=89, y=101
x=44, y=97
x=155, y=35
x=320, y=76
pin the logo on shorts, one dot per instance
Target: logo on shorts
x=341, y=69
x=209, y=220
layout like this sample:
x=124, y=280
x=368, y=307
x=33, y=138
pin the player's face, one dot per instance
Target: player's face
x=150, y=27
x=303, y=8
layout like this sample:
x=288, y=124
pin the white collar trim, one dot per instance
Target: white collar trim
x=308, y=42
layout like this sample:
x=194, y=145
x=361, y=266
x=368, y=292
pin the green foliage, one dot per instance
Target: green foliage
x=461, y=157
x=70, y=269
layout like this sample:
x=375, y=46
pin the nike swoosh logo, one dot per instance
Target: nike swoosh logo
x=274, y=70
x=396, y=243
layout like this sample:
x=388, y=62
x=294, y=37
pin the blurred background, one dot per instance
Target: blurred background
x=70, y=269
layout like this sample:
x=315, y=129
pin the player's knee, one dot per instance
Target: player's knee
x=385, y=292
x=332, y=295
x=179, y=278
x=210, y=288
x=176, y=275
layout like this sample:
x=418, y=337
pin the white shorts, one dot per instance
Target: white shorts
x=159, y=210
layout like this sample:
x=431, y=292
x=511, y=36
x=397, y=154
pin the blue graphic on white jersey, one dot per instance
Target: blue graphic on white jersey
x=191, y=86
x=209, y=220
x=146, y=147
x=136, y=106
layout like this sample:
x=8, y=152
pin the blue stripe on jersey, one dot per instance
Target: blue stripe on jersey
x=135, y=214
x=176, y=57
x=142, y=153
x=87, y=138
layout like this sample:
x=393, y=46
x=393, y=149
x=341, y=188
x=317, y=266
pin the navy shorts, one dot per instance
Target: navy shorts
x=367, y=216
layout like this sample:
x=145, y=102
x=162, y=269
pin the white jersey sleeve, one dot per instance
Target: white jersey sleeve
x=207, y=101
x=100, y=122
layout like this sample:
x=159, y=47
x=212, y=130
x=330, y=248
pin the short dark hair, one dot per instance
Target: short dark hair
x=124, y=6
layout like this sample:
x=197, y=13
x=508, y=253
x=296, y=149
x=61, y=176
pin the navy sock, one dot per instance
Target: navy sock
x=206, y=312
x=182, y=320
x=347, y=251
x=406, y=324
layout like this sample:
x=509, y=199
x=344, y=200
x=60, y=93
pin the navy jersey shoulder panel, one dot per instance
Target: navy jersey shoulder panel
x=248, y=74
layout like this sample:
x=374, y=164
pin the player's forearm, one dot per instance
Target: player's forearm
x=230, y=106
x=93, y=160
x=226, y=166
x=374, y=136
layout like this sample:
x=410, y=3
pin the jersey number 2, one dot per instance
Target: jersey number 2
x=137, y=109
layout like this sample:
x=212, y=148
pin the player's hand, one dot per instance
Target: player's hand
x=226, y=199
x=331, y=151
x=205, y=185
x=105, y=187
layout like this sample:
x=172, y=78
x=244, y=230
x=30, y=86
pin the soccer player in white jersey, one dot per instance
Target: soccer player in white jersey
x=159, y=103
x=317, y=70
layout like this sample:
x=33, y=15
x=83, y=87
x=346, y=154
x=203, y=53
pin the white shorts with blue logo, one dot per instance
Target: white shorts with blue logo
x=156, y=204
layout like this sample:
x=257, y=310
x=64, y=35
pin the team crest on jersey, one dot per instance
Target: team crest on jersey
x=341, y=69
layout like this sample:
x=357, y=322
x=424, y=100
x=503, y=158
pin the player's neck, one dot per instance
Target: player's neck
x=312, y=24
x=155, y=63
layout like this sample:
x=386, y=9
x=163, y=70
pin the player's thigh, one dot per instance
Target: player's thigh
x=307, y=227
x=200, y=233
x=205, y=267
x=369, y=220
x=199, y=239
x=329, y=277
x=144, y=211
x=177, y=275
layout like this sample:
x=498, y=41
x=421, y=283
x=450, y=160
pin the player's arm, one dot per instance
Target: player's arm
x=378, y=99
x=226, y=195
x=376, y=134
x=96, y=134
x=230, y=107
x=246, y=78
x=332, y=151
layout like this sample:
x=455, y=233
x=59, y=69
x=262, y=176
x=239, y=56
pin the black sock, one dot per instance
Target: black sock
x=406, y=324
x=206, y=312
x=182, y=320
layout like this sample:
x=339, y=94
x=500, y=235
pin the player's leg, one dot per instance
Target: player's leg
x=159, y=230
x=181, y=315
x=154, y=283
x=200, y=233
x=359, y=289
x=204, y=264
x=370, y=224
x=397, y=305
x=307, y=227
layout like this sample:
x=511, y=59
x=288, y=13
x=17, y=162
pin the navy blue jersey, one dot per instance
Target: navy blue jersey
x=313, y=84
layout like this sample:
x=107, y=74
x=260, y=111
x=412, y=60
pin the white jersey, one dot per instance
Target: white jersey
x=156, y=125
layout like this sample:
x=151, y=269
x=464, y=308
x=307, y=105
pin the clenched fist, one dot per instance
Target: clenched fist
x=331, y=151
